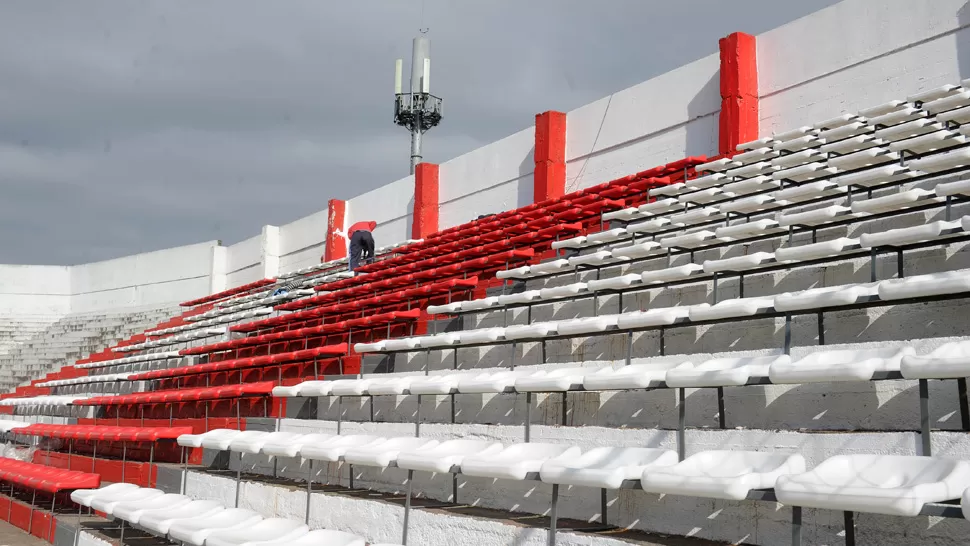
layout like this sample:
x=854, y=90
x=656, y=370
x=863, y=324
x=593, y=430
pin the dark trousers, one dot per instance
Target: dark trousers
x=361, y=248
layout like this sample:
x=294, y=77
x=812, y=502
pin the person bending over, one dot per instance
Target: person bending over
x=361, y=238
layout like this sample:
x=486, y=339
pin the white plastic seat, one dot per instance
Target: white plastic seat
x=517, y=462
x=159, y=521
x=84, y=496
x=294, y=390
x=552, y=266
x=107, y=502
x=717, y=165
x=566, y=291
x=446, y=309
x=798, y=158
x=908, y=130
x=747, y=229
x=738, y=263
x=639, y=250
x=435, y=384
x=897, y=201
x=489, y=382
x=195, y=530
x=929, y=142
x=943, y=161
x=480, y=304
x=882, y=484
x=755, y=144
x=727, y=475
x=815, y=251
x=132, y=511
x=829, y=296
x=252, y=443
x=931, y=284
x=320, y=537
x=614, y=283
x=751, y=185
x=606, y=467
x=482, y=335
x=663, y=316
x=883, y=108
x=522, y=297
x=669, y=189
x=660, y=206
x=534, y=330
x=607, y=236
x=909, y=235
x=446, y=339
x=806, y=172
x=809, y=190
x=723, y=372
x=839, y=365
x=401, y=344
x=959, y=115
x=554, y=380
x=333, y=448
x=814, y=217
x=845, y=131
x=586, y=325
x=753, y=169
x=750, y=205
x=514, y=273
x=950, y=360
x=705, y=196
x=289, y=444
x=732, y=308
x=877, y=176
x=930, y=95
x=904, y=114
x=851, y=144
x=385, y=452
x=797, y=144
x=600, y=257
x=315, y=388
x=864, y=158
x=266, y=531
x=689, y=240
x=960, y=187
x=649, y=226
x=710, y=180
x=624, y=215
x=573, y=242
x=636, y=376
x=442, y=457
x=755, y=155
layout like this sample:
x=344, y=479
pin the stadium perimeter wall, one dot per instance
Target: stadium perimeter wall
x=851, y=55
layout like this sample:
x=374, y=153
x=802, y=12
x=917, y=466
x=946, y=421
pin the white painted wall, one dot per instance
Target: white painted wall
x=34, y=289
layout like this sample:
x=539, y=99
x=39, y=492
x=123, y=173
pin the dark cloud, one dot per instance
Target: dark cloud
x=131, y=126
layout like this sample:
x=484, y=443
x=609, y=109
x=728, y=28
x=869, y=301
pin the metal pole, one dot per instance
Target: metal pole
x=407, y=508
x=964, y=408
x=603, y=506
x=528, y=416
x=554, y=515
x=721, y=418
x=124, y=456
x=309, y=488
x=796, y=526
x=30, y=524
x=416, y=143
x=924, y=417
x=849, y=519
x=681, y=423
x=238, y=478
x=50, y=524
x=185, y=471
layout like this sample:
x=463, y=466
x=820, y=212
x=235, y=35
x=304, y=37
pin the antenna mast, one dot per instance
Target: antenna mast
x=417, y=110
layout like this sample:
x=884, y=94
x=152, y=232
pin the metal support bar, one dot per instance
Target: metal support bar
x=554, y=515
x=900, y=271
x=964, y=407
x=309, y=489
x=185, y=471
x=603, y=506
x=407, y=507
x=788, y=333
x=820, y=321
x=565, y=407
x=721, y=417
x=417, y=416
x=681, y=422
x=849, y=518
x=629, y=348
x=239, y=478
x=796, y=526
x=528, y=416
x=339, y=413
x=924, y=417
x=872, y=266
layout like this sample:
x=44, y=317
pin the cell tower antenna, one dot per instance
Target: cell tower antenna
x=417, y=109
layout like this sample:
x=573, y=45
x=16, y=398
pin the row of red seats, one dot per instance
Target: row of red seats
x=339, y=349
x=228, y=293
x=45, y=478
x=373, y=321
x=387, y=297
x=103, y=433
x=263, y=388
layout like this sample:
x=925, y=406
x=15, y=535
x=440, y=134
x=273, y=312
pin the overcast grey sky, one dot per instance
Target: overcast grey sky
x=129, y=126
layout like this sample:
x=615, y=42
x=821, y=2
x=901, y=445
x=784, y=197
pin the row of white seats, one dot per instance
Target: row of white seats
x=56, y=401
x=233, y=306
x=86, y=379
x=952, y=360
x=216, y=321
x=900, y=201
x=343, y=261
x=814, y=299
x=134, y=359
x=203, y=522
x=196, y=334
x=885, y=484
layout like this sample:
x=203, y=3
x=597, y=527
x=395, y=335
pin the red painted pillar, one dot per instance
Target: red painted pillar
x=335, y=245
x=549, y=180
x=425, y=221
x=739, y=91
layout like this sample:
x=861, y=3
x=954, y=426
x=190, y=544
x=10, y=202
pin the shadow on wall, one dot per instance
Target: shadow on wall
x=962, y=38
x=409, y=221
x=524, y=194
x=699, y=138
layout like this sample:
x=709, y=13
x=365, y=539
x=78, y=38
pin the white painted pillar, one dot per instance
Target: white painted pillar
x=270, y=252
x=219, y=276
